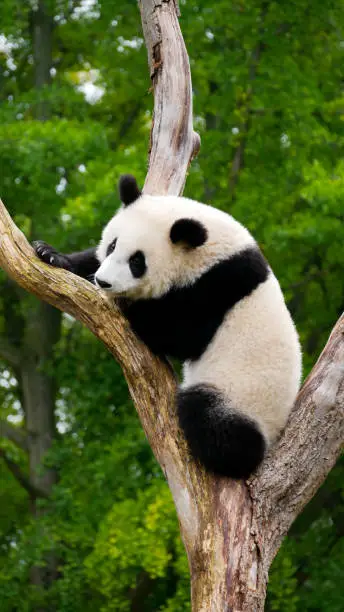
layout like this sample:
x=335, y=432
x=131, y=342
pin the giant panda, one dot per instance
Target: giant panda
x=195, y=286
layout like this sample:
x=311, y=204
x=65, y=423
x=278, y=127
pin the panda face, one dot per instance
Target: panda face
x=159, y=243
x=133, y=253
x=121, y=273
x=123, y=269
x=141, y=256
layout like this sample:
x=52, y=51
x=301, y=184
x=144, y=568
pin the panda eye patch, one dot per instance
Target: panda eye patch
x=111, y=247
x=137, y=264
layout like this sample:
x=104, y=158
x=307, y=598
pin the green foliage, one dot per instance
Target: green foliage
x=310, y=565
x=266, y=78
x=137, y=541
x=283, y=583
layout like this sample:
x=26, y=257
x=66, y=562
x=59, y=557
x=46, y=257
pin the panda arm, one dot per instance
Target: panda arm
x=85, y=263
x=182, y=322
x=146, y=321
x=169, y=326
x=82, y=263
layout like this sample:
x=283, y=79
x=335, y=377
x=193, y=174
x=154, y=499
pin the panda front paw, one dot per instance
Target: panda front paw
x=50, y=256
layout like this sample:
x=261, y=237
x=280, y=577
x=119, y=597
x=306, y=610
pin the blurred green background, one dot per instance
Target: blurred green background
x=86, y=519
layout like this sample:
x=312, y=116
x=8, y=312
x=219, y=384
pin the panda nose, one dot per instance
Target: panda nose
x=102, y=284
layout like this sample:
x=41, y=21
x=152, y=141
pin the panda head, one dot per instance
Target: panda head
x=148, y=246
x=157, y=243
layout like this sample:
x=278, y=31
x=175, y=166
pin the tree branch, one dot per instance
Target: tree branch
x=173, y=141
x=231, y=530
x=14, y=434
x=21, y=478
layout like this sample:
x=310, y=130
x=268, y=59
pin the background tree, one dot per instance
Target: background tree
x=268, y=102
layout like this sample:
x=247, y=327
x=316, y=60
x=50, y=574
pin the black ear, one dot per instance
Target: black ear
x=189, y=231
x=128, y=189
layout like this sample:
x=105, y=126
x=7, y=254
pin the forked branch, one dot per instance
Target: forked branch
x=173, y=141
x=231, y=530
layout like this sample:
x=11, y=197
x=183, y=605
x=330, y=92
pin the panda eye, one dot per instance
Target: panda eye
x=137, y=264
x=111, y=247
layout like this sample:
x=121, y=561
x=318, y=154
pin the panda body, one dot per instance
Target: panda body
x=195, y=286
x=249, y=359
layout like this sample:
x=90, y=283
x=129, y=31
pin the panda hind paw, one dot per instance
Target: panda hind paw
x=50, y=256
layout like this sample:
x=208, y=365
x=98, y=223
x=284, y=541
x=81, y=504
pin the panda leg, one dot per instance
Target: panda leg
x=83, y=263
x=224, y=441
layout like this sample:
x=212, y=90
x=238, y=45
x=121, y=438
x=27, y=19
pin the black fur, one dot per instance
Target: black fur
x=183, y=321
x=128, y=189
x=102, y=284
x=83, y=263
x=137, y=264
x=111, y=247
x=189, y=231
x=225, y=442
x=181, y=324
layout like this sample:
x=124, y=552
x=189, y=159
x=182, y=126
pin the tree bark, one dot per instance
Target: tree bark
x=173, y=141
x=231, y=530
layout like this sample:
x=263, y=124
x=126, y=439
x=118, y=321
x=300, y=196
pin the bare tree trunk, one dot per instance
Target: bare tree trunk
x=231, y=530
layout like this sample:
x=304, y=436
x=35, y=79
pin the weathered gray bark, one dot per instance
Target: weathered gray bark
x=173, y=141
x=231, y=530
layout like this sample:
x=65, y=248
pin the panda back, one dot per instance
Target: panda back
x=254, y=359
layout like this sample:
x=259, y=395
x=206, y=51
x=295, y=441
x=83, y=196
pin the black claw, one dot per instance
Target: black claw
x=50, y=256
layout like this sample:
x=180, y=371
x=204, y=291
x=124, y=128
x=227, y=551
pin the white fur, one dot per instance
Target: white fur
x=145, y=225
x=254, y=357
